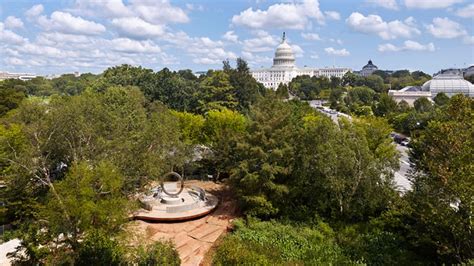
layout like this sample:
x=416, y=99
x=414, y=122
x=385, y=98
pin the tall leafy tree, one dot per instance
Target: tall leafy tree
x=443, y=186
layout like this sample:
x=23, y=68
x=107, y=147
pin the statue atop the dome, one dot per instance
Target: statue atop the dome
x=284, y=37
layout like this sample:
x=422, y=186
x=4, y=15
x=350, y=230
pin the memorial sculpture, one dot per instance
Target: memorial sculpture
x=173, y=201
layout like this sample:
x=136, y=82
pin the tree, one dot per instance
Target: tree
x=385, y=106
x=217, y=92
x=375, y=82
x=441, y=99
x=422, y=105
x=67, y=160
x=443, y=186
x=222, y=129
x=282, y=91
x=247, y=89
x=11, y=95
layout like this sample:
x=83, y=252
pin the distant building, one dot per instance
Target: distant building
x=368, y=69
x=465, y=72
x=450, y=83
x=21, y=76
x=284, y=68
x=200, y=73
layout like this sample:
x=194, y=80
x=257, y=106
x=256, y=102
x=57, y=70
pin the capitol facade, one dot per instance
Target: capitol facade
x=284, y=69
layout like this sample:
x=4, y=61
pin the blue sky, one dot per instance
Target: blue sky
x=46, y=37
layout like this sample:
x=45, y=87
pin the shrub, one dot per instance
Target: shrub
x=99, y=249
x=271, y=243
x=157, y=253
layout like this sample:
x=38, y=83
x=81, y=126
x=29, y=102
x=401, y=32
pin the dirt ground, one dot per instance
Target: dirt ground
x=195, y=239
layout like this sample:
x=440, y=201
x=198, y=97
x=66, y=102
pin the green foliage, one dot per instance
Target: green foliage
x=86, y=195
x=274, y=243
x=99, y=249
x=11, y=95
x=423, y=105
x=191, y=126
x=385, y=105
x=441, y=99
x=157, y=253
x=294, y=162
x=217, y=92
x=282, y=91
x=222, y=129
x=309, y=88
x=444, y=185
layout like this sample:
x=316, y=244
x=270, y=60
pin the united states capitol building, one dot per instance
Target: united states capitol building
x=284, y=68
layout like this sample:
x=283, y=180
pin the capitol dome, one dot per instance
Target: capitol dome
x=450, y=84
x=284, y=56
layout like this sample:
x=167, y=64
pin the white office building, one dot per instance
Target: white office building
x=284, y=68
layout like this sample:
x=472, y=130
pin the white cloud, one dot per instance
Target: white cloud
x=332, y=51
x=389, y=4
x=338, y=41
x=159, y=11
x=132, y=46
x=206, y=61
x=407, y=46
x=466, y=12
x=263, y=42
x=283, y=16
x=314, y=56
x=12, y=22
x=428, y=4
x=230, y=36
x=34, y=11
x=107, y=8
x=256, y=60
x=468, y=40
x=386, y=30
x=135, y=27
x=67, y=23
x=311, y=36
x=9, y=36
x=203, y=49
x=332, y=15
x=446, y=29
x=297, y=50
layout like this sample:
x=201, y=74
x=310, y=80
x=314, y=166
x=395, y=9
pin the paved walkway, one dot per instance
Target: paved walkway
x=194, y=238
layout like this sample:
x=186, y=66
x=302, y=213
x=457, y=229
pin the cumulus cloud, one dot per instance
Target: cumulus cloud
x=374, y=24
x=466, y=12
x=132, y=46
x=12, y=22
x=263, y=42
x=389, y=4
x=159, y=12
x=445, y=28
x=311, y=36
x=336, y=52
x=332, y=15
x=136, y=27
x=230, y=36
x=34, y=11
x=407, y=46
x=468, y=40
x=284, y=15
x=107, y=8
x=297, y=50
x=9, y=36
x=429, y=4
x=203, y=50
x=67, y=23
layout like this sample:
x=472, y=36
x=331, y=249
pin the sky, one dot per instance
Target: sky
x=64, y=36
